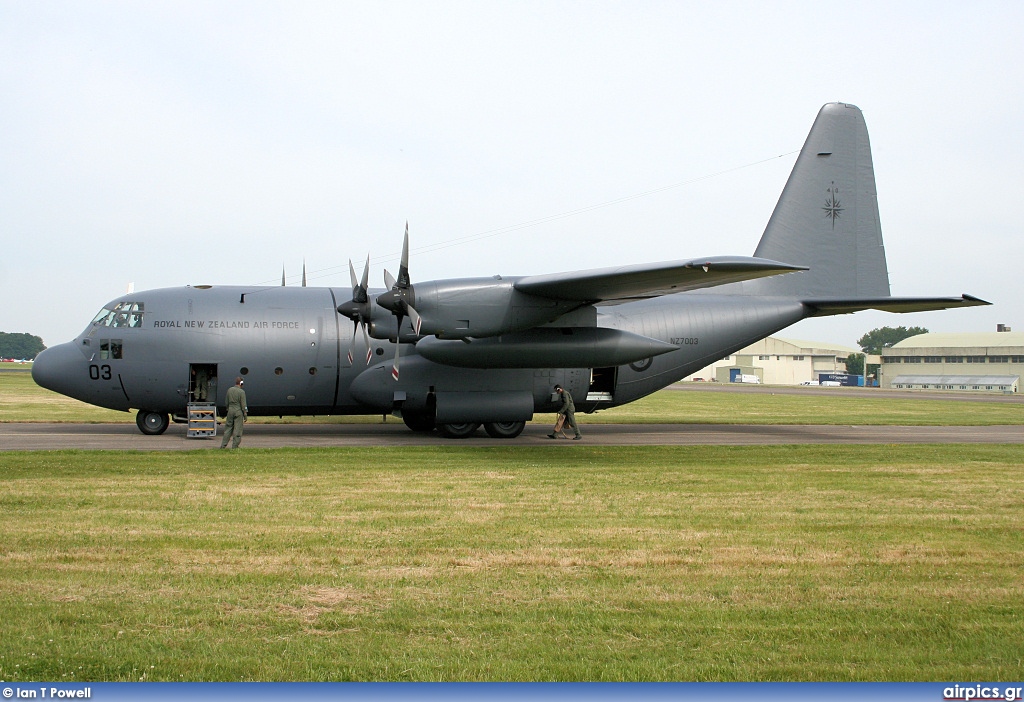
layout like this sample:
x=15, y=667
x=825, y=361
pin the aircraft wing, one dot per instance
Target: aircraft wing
x=826, y=307
x=638, y=282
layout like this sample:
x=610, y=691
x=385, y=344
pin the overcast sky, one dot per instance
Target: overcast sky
x=174, y=143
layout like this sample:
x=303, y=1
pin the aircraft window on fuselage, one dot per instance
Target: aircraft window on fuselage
x=104, y=349
x=116, y=348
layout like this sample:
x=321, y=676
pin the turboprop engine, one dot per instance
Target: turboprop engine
x=473, y=307
x=447, y=309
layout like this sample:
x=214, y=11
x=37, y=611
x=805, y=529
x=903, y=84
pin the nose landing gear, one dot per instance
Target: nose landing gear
x=152, y=423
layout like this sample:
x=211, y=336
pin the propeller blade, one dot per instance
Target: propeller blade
x=352, y=277
x=359, y=286
x=282, y=276
x=415, y=318
x=303, y=272
x=398, y=344
x=403, y=270
x=366, y=279
x=401, y=295
x=359, y=309
x=352, y=346
x=366, y=340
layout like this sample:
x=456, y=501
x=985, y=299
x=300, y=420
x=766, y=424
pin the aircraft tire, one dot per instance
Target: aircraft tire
x=504, y=430
x=152, y=423
x=461, y=430
x=417, y=422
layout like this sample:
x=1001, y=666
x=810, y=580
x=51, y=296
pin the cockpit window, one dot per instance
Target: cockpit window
x=103, y=318
x=123, y=314
x=135, y=315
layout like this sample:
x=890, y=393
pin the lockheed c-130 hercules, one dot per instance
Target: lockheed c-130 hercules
x=455, y=354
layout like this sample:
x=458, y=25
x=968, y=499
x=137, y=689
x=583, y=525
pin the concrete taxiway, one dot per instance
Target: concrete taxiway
x=35, y=437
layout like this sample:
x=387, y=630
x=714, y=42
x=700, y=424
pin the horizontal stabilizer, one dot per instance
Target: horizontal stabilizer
x=826, y=307
x=638, y=282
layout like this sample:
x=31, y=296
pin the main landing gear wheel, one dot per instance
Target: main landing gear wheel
x=417, y=422
x=458, y=431
x=152, y=423
x=504, y=430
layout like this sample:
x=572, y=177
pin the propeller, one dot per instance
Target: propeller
x=400, y=298
x=358, y=309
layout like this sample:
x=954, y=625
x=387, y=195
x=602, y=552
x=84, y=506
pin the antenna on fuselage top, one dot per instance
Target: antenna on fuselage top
x=284, y=278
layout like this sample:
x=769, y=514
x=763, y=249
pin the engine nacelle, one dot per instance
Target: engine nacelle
x=480, y=307
x=383, y=327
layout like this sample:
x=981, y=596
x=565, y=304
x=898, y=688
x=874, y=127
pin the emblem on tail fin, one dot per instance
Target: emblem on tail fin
x=832, y=208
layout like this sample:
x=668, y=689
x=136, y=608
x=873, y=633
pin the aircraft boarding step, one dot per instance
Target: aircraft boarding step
x=202, y=420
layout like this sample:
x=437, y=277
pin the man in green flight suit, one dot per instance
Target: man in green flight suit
x=237, y=412
x=568, y=409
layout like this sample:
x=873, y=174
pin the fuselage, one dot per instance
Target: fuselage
x=290, y=345
x=493, y=348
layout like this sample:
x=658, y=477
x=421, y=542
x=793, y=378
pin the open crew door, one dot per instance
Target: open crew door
x=202, y=382
x=202, y=399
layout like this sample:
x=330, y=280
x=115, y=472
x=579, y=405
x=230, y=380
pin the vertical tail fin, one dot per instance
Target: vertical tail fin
x=827, y=217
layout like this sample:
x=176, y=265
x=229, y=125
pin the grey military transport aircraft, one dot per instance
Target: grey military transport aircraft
x=454, y=354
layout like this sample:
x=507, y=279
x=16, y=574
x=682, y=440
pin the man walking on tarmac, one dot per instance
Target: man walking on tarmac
x=567, y=410
x=238, y=410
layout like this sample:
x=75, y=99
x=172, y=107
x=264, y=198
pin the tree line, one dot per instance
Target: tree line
x=874, y=341
x=20, y=346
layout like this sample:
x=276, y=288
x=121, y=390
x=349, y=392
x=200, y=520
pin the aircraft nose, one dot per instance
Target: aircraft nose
x=56, y=367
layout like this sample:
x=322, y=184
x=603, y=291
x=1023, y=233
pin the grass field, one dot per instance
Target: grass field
x=21, y=400
x=650, y=563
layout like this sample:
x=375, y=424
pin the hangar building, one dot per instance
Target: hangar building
x=778, y=361
x=965, y=362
